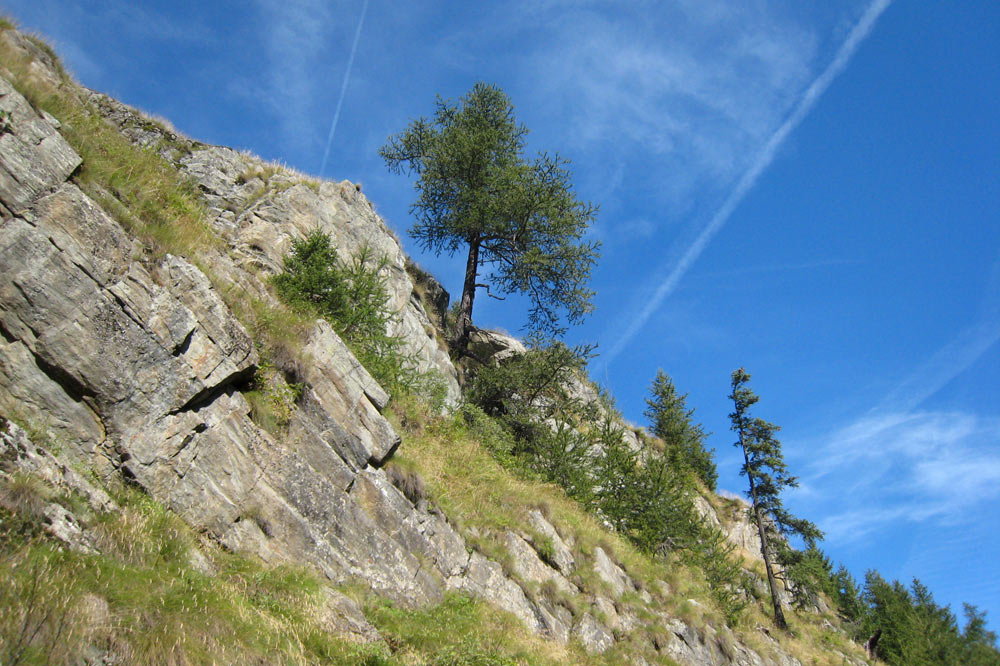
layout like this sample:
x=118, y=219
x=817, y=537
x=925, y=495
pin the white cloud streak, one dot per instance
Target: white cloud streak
x=907, y=466
x=913, y=464
x=749, y=178
x=297, y=32
x=942, y=367
x=343, y=88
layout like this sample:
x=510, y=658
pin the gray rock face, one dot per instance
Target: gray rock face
x=33, y=156
x=260, y=210
x=340, y=615
x=18, y=454
x=349, y=395
x=21, y=455
x=530, y=567
x=100, y=326
x=484, y=578
x=562, y=556
x=705, y=511
x=612, y=574
x=593, y=635
x=140, y=366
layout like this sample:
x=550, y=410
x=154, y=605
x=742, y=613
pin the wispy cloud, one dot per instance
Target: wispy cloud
x=749, y=177
x=912, y=464
x=296, y=32
x=942, y=367
x=915, y=467
x=688, y=88
x=343, y=88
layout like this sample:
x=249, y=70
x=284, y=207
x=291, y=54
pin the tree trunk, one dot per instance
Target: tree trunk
x=779, y=614
x=463, y=324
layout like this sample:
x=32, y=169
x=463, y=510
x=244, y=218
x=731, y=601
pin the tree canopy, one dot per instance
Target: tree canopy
x=476, y=190
x=906, y=627
x=673, y=422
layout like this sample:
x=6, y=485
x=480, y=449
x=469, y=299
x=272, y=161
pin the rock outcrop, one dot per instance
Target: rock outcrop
x=258, y=209
x=138, y=365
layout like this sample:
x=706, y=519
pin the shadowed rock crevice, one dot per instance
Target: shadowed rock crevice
x=72, y=387
x=210, y=394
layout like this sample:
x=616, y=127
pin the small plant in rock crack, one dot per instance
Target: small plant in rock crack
x=352, y=295
x=5, y=121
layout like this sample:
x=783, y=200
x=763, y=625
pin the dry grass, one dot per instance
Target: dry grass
x=142, y=601
x=484, y=498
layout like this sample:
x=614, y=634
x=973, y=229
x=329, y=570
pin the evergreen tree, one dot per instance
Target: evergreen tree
x=936, y=637
x=979, y=644
x=908, y=628
x=643, y=497
x=476, y=190
x=850, y=605
x=673, y=422
x=892, y=620
x=809, y=571
x=767, y=475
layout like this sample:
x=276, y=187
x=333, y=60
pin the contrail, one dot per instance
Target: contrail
x=343, y=88
x=949, y=362
x=858, y=33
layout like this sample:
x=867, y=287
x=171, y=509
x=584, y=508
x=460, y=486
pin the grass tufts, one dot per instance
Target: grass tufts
x=142, y=601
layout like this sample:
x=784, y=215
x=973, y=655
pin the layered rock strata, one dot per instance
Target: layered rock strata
x=137, y=364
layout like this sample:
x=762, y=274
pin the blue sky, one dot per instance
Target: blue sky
x=806, y=189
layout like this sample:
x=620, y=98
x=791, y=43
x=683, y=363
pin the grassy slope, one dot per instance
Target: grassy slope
x=484, y=499
x=144, y=599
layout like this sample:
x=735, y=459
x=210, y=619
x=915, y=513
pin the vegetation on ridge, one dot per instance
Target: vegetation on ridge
x=353, y=297
x=526, y=444
x=476, y=190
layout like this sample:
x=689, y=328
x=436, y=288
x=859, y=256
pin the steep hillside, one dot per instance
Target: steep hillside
x=203, y=475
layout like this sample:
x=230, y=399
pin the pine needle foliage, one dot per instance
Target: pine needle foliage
x=674, y=423
x=767, y=475
x=477, y=191
x=352, y=296
x=905, y=626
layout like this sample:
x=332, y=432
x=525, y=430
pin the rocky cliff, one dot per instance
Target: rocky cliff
x=137, y=362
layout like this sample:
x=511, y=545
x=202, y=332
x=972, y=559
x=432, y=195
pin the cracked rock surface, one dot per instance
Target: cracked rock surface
x=138, y=364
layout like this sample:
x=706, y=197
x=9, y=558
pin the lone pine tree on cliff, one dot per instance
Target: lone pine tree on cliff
x=476, y=190
x=767, y=475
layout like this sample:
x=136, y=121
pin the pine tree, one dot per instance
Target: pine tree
x=673, y=422
x=477, y=191
x=767, y=475
x=979, y=643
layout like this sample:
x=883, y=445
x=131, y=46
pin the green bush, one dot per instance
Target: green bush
x=524, y=391
x=353, y=297
x=526, y=416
